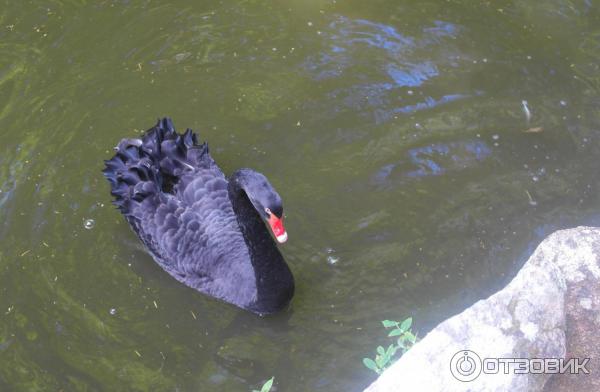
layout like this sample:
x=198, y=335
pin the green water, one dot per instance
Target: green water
x=413, y=181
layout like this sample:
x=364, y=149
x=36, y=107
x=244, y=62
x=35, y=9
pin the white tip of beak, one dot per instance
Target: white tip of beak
x=282, y=238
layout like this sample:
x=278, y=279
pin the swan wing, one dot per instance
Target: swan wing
x=175, y=198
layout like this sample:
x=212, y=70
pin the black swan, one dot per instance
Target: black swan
x=203, y=229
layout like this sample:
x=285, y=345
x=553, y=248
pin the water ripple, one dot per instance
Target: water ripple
x=387, y=65
x=435, y=160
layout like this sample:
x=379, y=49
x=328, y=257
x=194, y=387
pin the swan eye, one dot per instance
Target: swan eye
x=268, y=211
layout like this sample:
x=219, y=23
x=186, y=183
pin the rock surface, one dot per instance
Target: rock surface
x=551, y=309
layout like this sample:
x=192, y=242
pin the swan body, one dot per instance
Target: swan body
x=205, y=230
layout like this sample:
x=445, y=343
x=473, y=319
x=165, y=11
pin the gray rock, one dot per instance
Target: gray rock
x=550, y=306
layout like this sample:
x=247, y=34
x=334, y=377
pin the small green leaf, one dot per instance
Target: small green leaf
x=370, y=364
x=389, y=323
x=406, y=324
x=391, y=350
x=395, y=332
x=410, y=337
x=389, y=353
x=380, y=350
x=380, y=361
x=267, y=386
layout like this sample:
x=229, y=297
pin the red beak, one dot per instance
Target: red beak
x=277, y=228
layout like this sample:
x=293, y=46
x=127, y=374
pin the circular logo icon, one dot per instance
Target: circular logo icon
x=465, y=365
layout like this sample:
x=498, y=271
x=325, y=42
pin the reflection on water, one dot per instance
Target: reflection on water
x=350, y=45
x=435, y=160
x=394, y=132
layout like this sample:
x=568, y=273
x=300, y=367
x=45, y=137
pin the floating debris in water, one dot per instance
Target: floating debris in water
x=112, y=311
x=563, y=103
x=531, y=201
x=179, y=57
x=89, y=224
x=534, y=130
x=526, y=110
x=495, y=136
x=331, y=259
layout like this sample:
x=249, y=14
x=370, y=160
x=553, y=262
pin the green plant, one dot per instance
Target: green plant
x=405, y=340
x=266, y=386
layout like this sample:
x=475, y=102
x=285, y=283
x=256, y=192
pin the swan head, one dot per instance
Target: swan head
x=265, y=200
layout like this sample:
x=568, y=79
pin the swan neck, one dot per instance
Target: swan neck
x=247, y=217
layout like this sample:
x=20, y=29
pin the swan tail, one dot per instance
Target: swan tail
x=142, y=169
